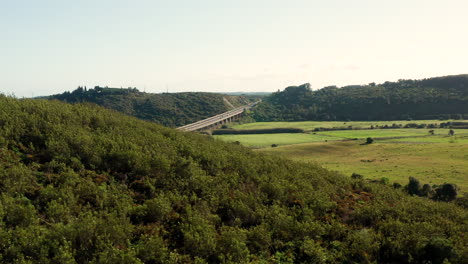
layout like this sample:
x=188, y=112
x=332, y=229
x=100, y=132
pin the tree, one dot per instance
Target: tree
x=447, y=192
x=414, y=186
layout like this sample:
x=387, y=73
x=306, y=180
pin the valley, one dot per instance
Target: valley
x=226, y=132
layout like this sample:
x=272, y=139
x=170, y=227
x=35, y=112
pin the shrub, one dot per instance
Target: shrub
x=462, y=201
x=356, y=176
x=426, y=190
x=414, y=187
x=384, y=180
x=447, y=192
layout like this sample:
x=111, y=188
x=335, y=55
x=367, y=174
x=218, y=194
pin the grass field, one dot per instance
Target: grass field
x=311, y=125
x=378, y=133
x=266, y=140
x=433, y=163
x=396, y=153
x=458, y=139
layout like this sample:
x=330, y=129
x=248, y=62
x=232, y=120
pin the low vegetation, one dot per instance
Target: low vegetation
x=81, y=184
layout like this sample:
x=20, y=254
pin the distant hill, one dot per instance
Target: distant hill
x=249, y=93
x=83, y=184
x=433, y=98
x=169, y=109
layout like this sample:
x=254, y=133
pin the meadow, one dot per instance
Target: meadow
x=311, y=125
x=266, y=140
x=396, y=154
x=391, y=135
x=433, y=163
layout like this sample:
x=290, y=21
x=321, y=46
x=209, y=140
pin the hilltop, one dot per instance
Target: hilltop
x=433, y=98
x=169, y=109
x=83, y=184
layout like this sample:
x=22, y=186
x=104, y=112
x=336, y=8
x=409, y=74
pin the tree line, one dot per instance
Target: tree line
x=434, y=98
x=169, y=109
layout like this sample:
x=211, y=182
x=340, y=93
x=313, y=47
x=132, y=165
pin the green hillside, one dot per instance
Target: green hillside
x=82, y=184
x=434, y=98
x=169, y=109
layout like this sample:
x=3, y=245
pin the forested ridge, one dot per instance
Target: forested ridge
x=433, y=98
x=169, y=109
x=82, y=184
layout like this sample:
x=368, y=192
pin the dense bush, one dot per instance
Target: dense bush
x=446, y=192
x=80, y=184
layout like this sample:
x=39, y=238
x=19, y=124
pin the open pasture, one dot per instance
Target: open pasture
x=433, y=163
x=311, y=125
x=390, y=135
x=266, y=140
x=395, y=154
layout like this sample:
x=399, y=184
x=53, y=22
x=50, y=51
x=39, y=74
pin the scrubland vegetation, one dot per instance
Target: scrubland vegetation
x=81, y=184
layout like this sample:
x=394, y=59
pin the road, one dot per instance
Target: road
x=217, y=119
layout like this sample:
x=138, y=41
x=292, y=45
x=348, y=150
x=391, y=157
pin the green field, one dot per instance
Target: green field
x=266, y=140
x=396, y=153
x=433, y=163
x=457, y=139
x=385, y=133
x=422, y=135
x=311, y=125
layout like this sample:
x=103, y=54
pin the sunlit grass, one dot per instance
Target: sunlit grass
x=396, y=153
x=311, y=125
x=433, y=163
x=266, y=140
x=402, y=132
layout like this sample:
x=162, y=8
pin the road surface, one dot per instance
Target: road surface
x=217, y=119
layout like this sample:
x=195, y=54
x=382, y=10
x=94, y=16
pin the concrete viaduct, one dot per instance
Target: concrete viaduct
x=217, y=120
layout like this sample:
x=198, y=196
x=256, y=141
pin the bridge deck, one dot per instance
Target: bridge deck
x=216, y=119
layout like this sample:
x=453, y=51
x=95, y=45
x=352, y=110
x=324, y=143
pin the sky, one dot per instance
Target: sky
x=48, y=47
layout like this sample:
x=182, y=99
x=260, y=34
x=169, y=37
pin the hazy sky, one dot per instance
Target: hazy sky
x=48, y=47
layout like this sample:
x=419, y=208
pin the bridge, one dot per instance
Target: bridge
x=217, y=120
